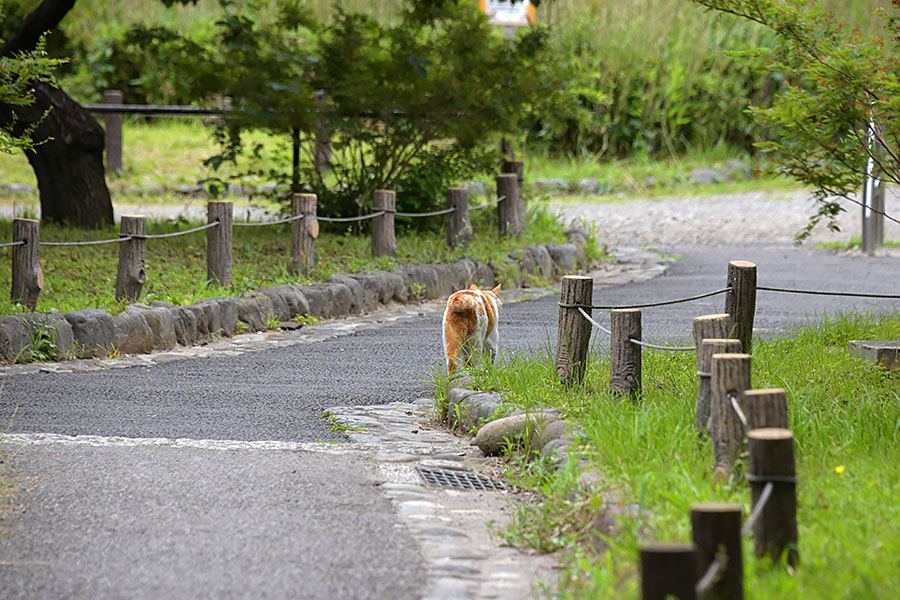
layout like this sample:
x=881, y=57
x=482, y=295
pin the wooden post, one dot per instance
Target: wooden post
x=574, y=331
x=131, y=276
x=518, y=167
x=765, y=408
x=27, y=276
x=384, y=241
x=705, y=352
x=113, y=123
x=772, y=460
x=740, y=300
x=218, y=242
x=625, y=355
x=669, y=571
x=459, y=228
x=716, y=532
x=303, y=234
x=707, y=327
x=508, y=208
x=730, y=376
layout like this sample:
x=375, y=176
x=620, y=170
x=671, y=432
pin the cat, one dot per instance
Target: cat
x=470, y=326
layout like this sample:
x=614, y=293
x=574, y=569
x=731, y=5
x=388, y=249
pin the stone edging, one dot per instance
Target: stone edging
x=94, y=333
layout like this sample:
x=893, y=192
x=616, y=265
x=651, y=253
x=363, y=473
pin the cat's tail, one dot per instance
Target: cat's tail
x=462, y=304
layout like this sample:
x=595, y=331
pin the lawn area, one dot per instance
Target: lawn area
x=845, y=416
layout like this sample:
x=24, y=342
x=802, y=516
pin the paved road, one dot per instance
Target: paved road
x=149, y=519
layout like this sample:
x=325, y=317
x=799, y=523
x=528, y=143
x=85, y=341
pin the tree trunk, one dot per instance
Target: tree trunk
x=68, y=153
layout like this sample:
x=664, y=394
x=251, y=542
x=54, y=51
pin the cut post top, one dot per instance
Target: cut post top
x=668, y=548
x=730, y=355
x=624, y=311
x=582, y=277
x=743, y=264
x=770, y=433
x=720, y=507
x=711, y=317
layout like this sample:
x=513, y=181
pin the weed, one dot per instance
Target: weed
x=306, y=320
x=417, y=290
x=241, y=327
x=335, y=425
x=273, y=323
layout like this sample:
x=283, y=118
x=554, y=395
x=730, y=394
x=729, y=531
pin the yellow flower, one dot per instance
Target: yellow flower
x=839, y=469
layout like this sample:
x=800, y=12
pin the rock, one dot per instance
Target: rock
x=318, y=300
x=592, y=479
x=18, y=188
x=154, y=188
x=237, y=189
x=162, y=325
x=463, y=274
x=706, y=176
x=446, y=276
x=223, y=313
x=737, y=169
x=287, y=301
x=576, y=233
x=553, y=431
x=511, y=272
x=132, y=333
x=203, y=321
x=342, y=301
x=555, y=184
x=556, y=451
x=484, y=276
x=508, y=432
x=525, y=260
x=379, y=287
x=589, y=186
x=425, y=276
x=58, y=340
x=565, y=257
x=468, y=409
x=190, y=190
x=272, y=189
x=15, y=339
x=254, y=310
x=93, y=332
x=650, y=181
x=357, y=295
x=541, y=257
x=476, y=188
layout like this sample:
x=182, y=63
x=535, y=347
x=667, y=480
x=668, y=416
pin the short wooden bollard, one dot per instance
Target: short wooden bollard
x=574, y=331
x=707, y=327
x=113, y=127
x=384, y=240
x=27, y=275
x=740, y=300
x=304, y=232
x=131, y=275
x=765, y=408
x=716, y=532
x=625, y=355
x=459, y=227
x=508, y=207
x=518, y=167
x=218, y=242
x=772, y=461
x=705, y=351
x=730, y=376
x=669, y=571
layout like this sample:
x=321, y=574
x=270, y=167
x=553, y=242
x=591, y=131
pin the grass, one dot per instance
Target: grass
x=844, y=414
x=853, y=242
x=84, y=277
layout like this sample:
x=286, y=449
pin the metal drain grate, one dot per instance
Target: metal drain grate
x=459, y=479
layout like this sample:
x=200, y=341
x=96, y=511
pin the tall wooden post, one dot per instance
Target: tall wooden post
x=131, y=276
x=574, y=331
x=27, y=276
x=508, y=208
x=707, y=327
x=730, y=376
x=765, y=408
x=669, y=571
x=772, y=461
x=218, y=242
x=459, y=227
x=303, y=234
x=740, y=300
x=113, y=123
x=625, y=355
x=518, y=167
x=716, y=532
x=705, y=352
x=384, y=241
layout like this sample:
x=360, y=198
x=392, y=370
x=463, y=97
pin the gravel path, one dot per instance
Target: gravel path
x=753, y=218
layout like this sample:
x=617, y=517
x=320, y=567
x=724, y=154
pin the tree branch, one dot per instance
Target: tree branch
x=43, y=19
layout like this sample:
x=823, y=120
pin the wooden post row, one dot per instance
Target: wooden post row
x=459, y=227
x=669, y=571
x=716, y=533
x=574, y=331
x=508, y=208
x=625, y=355
x=730, y=376
x=113, y=126
x=707, y=327
x=740, y=300
x=131, y=275
x=218, y=242
x=27, y=276
x=705, y=352
x=384, y=241
x=772, y=461
x=303, y=234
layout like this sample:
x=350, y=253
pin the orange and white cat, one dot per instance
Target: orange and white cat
x=470, y=326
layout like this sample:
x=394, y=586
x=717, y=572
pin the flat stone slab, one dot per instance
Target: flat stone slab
x=885, y=353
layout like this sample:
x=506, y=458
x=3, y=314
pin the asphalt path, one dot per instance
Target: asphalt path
x=151, y=520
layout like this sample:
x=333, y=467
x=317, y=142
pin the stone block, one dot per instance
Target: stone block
x=57, y=330
x=254, y=310
x=541, y=257
x=887, y=354
x=318, y=300
x=565, y=258
x=484, y=276
x=93, y=332
x=511, y=432
x=463, y=273
x=162, y=325
x=356, y=292
x=469, y=409
x=223, y=315
x=132, y=333
x=15, y=339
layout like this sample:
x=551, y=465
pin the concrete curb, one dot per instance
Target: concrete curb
x=94, y=333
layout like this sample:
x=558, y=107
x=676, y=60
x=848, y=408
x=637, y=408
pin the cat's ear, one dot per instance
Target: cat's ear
x=496, y=290
x=473, y=287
